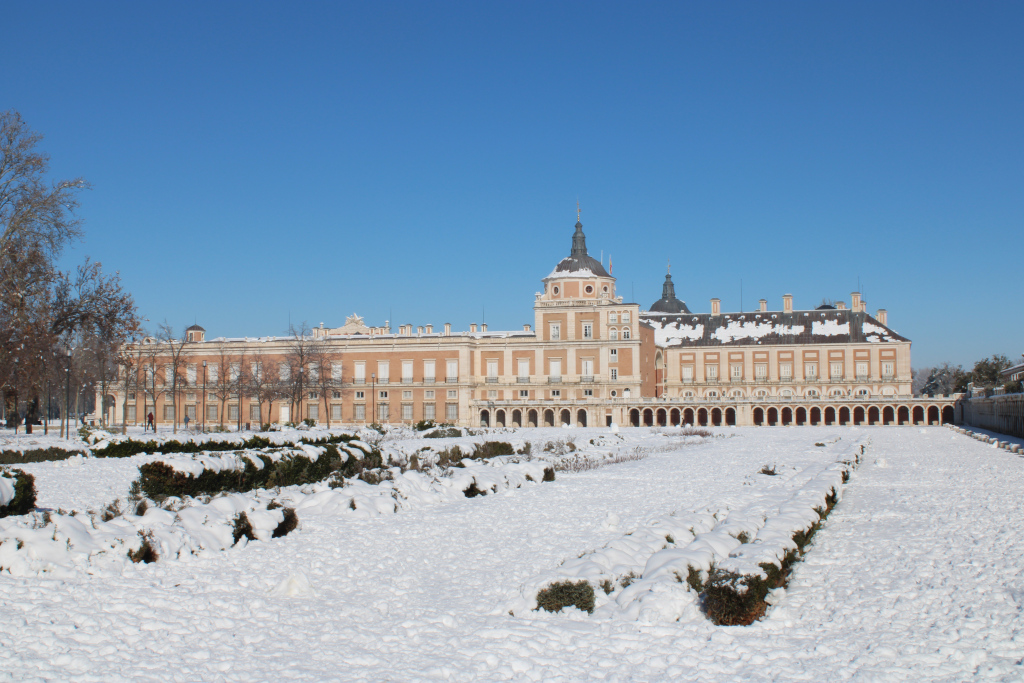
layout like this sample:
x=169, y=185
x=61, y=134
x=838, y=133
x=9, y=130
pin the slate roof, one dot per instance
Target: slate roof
x=765, y=328
x=578, y=262
x=668, y=303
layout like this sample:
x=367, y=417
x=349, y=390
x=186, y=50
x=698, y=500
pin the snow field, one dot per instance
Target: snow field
x=917, y=576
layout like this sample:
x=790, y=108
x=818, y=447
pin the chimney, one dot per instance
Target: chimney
x=472, y=327
x=483, y=328
x=447, y=329
x=430, y=329
x=419, y=330
x=841, y=305
x=387, y=327
x=762, y=305
x=526, y=328
x=855, y=301
x=716, y=307
x=787, y=303
x=882, y=316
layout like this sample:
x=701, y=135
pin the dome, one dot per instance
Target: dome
x=668, y=303
x=578, y=263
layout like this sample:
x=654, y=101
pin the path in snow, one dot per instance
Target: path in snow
x=917, y=575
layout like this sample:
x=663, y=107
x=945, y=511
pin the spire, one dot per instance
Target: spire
x=668, y=290
x=579, y=241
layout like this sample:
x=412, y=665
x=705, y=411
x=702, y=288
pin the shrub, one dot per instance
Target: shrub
x=36, y=455
x=802, y=538
x=146, y=552
x=629, y=579
x=549, y=474
x=24, y=500
x=734, y=600
x=443, y=433
x=424, y=425
x=820, y=444
x=694, y=579
x=450, y=457
x=607, y=586
x=490, y=449
x=770, y=471
x=142, y=508
x=565, y=594
x=287, y=525
x=525, y=450
x=309, y=422
x=472, y=491
x=242, y=527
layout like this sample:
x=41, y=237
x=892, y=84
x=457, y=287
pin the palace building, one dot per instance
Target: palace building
x=589, y=359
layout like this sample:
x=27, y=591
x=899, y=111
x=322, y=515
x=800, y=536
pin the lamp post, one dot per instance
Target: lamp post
x=204, y=396
x=373, y=396
x=299, y=406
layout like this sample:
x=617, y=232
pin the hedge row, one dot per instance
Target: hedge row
x=37, y=455
x=160, y=479
x=130, y=447
x=24, y=499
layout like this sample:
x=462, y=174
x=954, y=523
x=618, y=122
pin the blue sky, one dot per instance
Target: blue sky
x=421, y=162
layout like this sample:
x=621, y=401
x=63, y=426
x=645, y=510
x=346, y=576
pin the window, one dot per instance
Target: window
x=888, y=369
x=613, y=317
x=211, y=397
x=737, y=371
x=335, y=411
x=233, y=413
x=190, y=373
x=169, y=373
x=492, y=394
x=492, y=369
x=406, y=411
x=453, y=370
x=407, y=394
x=613, y=355
x=556, y=393
x=862, y=392
x=211, y=413
x=429, y=411
x=453, y=393
x=687, y=373
x=428, y=371
x=862, y=370
x=588, y=330
x=336, y=371
x=313, y=411
x=407, y=371
x=811, y=370
x=761, y=393
x=382, y=394
x=383, y=412
x=131, y=414
x=335, y=394
x=451, y=411
x=212, y=373
x=588, y=367
x=712, y=371
x=360, y=368
x=168, y=412
x=190, y=412
x=524, y=367
x=761, y=371
x=556, y=331
x=589, y=289
x=615, y=373
x=360, y=394
x=191, y=397
x=314, y=395
x=524, y=393
x=811, y=392
x=235, y=371
x=555, y=367
x=429, y=393
x=625, y=333
x=836, y=369
x=285, y=372
x=383, y=371
x=360, y=411
x=625, y=317
x=788, y=393
x=314, y=372
x=588, y=392
x=254, y=412
x=613, y=333
x=786, y=372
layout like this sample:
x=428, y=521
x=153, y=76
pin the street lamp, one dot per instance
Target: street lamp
x=373, y=396
x=301, y=397
x=204, y=396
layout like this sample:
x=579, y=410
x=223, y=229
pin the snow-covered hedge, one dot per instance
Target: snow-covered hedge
x=123, y=448
x=17, y=457
x=17, y=492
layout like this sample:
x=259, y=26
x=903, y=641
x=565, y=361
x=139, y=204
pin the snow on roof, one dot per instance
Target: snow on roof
x=829, y=328
x=582, y=273
x=753, y=330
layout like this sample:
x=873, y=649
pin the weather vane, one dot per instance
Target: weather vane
x=577, y=210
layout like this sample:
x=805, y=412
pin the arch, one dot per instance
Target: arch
x=673, y=417
x=662, y=417
x=873, y=415
x=581, y=418
x=485, y=418
x=517, y=418
x=918, y=415
x=758, y=416
x=815, y=416
x=858, y=415
x=844, y=416
x=773, y=417
x=947, y=415
x=716, y=417
x=904, y=415
x=888, y=415
x=933, y=414
x=787, y=416
x=648, y=417
x=549, y=418
x=634, y=417
x=730, y=417
x=613, y=334
x=625, y=333
x=565, y=417
x=830, y=416
x=688, y=416
x=702, y=417
x=499, y=418
x=531, y=418
x=801, y=417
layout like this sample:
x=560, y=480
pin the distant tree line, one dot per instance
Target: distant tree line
x=59, y=331
x=947, y=378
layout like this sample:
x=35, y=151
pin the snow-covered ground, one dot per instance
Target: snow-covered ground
x=917, y=575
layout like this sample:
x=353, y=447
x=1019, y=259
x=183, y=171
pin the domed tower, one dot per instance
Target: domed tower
x=668, y=303
x=579, y=275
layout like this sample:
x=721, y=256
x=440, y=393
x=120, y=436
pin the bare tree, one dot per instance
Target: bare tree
x=153, y=385
x=327, y=377
x=175, y=348
x=220, y=384
x=297, y=360
x=129, y=362
x=263, y=384
x=237, y=382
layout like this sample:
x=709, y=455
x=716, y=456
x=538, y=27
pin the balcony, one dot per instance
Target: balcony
x=492, y=380
x=736, y=380
x=407, y=380
x=862, y=378
x=836, y=378
x=523, y=380
x=587, y=378
x=451, y=380
x=687, y=380
x=429, y=380
x=359, y=380
x=554, y=379
x=384, y=380
x=888, y=378
x=811, y=378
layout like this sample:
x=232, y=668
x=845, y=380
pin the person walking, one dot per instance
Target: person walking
x=186, y=422
x=149, y=423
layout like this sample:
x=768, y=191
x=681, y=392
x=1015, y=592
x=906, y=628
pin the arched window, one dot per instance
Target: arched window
x=836, y=392
x=862, y=392
x=788, y=393
x=737, y=393
x=625, y=333
x=613, y=333
x=712, y=394
x=811, y=392
x=688, y=394
x=761, y=393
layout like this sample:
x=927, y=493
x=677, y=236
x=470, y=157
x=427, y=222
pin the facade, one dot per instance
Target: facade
x=589, y=359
